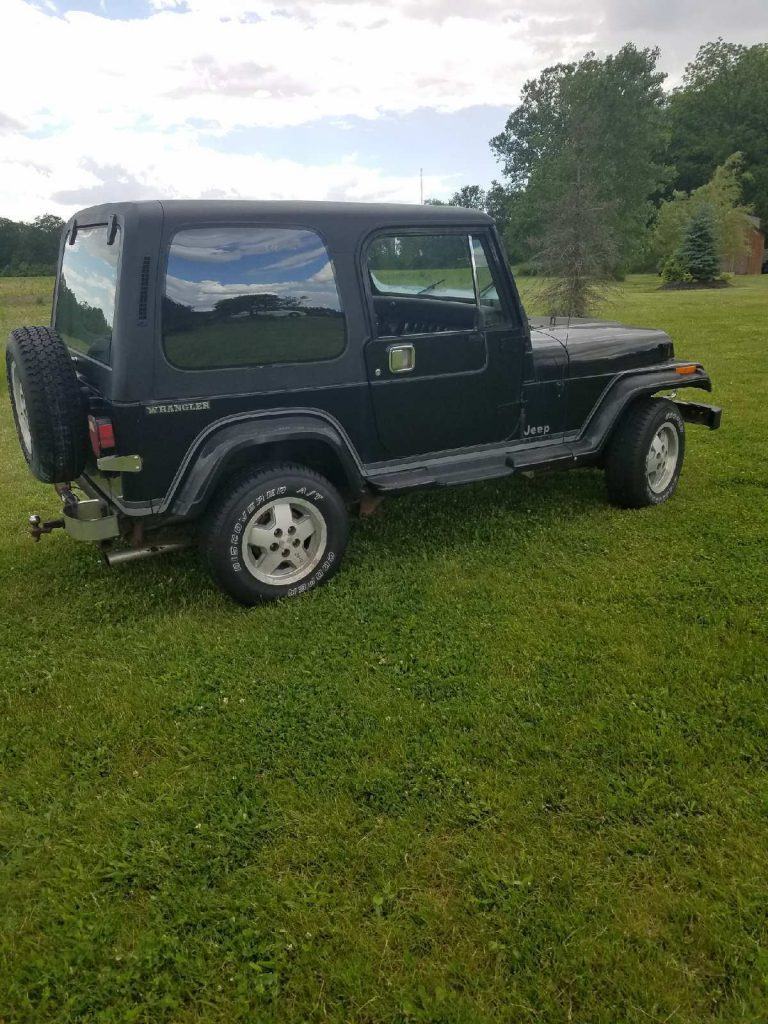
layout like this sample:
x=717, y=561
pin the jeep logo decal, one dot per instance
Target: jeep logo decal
x=536, y=431
x=178, y=407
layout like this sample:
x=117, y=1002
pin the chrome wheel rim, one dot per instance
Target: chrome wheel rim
x=661, y=461
x=20, y=405
x=284, y=540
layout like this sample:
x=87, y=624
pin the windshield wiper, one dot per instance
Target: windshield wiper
x=431, y=286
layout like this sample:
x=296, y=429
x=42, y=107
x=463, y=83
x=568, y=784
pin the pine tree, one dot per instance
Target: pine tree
x=577, y=249
x=697, y=253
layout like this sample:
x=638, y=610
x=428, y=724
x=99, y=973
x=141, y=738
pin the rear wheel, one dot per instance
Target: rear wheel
x=645, y=455
x=276, y=532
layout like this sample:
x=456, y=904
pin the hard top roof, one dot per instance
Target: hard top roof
x=359, y=214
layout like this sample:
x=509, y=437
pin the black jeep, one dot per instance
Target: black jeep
x=251, y=369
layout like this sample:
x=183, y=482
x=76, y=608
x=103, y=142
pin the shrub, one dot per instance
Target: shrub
x=673, y=271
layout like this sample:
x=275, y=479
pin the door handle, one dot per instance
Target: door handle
x=401, y=358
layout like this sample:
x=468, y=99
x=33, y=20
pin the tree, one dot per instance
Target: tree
x=470, y=196
x=617, y=106
x=494, y=201
x=577, y=250
x=497, y=204
x=722, y=195
x=696, y=258
x=721, y=109
x=42, y=237
x=30, y=248
x=9, y=242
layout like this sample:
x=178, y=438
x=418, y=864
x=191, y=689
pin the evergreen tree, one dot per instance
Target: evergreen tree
x=722, y=195
x=696, y=258
x=577, y=249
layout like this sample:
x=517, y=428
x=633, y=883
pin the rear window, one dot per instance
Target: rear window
x=249, y=296
x=85, y=305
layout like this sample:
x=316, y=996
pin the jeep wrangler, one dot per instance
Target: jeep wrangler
x=247, y=371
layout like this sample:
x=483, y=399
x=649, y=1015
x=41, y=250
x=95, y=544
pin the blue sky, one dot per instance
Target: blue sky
x=456, y=143
x=315, y=99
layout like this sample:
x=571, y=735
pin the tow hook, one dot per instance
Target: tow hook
x=37, y=527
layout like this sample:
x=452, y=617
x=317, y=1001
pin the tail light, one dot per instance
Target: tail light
x=102, y=435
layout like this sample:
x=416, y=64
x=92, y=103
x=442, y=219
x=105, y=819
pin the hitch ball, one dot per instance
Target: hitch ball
x=37, y=528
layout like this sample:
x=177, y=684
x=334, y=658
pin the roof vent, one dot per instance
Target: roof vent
x=144, y=288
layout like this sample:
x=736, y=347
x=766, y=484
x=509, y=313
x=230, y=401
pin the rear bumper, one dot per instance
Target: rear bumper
x=90, y=520
x=704, y=415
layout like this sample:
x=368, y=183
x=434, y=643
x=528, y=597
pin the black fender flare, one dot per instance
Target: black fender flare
x=623, y=390
x=225, y=441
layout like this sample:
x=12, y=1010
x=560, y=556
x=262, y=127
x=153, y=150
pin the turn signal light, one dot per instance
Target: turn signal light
x=684, y=371
x=102, y=435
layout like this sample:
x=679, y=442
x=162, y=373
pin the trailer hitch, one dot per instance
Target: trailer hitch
x=37, y=527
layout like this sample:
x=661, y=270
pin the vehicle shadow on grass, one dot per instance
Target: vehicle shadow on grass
x=403, y=538
x=437, y=523
x=450, y=518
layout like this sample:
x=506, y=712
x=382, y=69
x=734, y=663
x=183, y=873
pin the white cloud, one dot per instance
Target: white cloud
x=113, y=108
x=96, y=109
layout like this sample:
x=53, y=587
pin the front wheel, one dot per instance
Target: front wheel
x=645, y=454
x=276, y=532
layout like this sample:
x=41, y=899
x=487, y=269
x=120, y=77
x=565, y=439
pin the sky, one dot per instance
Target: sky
x=106, y=100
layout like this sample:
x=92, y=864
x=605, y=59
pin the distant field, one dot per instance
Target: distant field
x=510, y=766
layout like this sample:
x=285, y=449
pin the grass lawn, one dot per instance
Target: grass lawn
x=509, y=766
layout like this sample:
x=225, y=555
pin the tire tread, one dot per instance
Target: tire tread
x=625, y=459
x=214, y=522
x=54, y=402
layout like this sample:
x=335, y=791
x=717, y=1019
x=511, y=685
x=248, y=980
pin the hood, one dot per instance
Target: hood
x=603, y=346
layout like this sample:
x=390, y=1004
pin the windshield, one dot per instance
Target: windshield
x=85, y=306
x=432, y=266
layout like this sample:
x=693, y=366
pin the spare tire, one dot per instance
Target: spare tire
x=49, y=409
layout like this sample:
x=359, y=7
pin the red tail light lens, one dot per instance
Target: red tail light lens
x=102, y=434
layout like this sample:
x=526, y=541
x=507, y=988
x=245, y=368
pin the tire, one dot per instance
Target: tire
x=309, y=516
x=48, y=406
x=645, y=454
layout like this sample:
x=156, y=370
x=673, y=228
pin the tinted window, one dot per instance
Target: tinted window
x=422, y=284
x=491, y=306
x=85, y=305
x=248, y=296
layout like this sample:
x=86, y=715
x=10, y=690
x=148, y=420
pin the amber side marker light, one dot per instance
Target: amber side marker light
x=685, y=370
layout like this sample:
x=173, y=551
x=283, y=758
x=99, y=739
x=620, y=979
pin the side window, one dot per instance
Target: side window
x=422, y=284
x=85, y=303
x=492, y=308
x=247, y=296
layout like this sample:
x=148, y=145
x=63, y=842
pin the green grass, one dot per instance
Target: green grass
x=509, y=766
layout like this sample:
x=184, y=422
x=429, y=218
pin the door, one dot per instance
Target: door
x=440, y=374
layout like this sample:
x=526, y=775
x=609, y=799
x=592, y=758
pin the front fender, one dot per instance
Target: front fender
x=210, y=459
x=626, y=388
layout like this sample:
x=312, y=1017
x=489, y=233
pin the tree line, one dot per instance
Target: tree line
x=30, y=249
x=604, y=172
